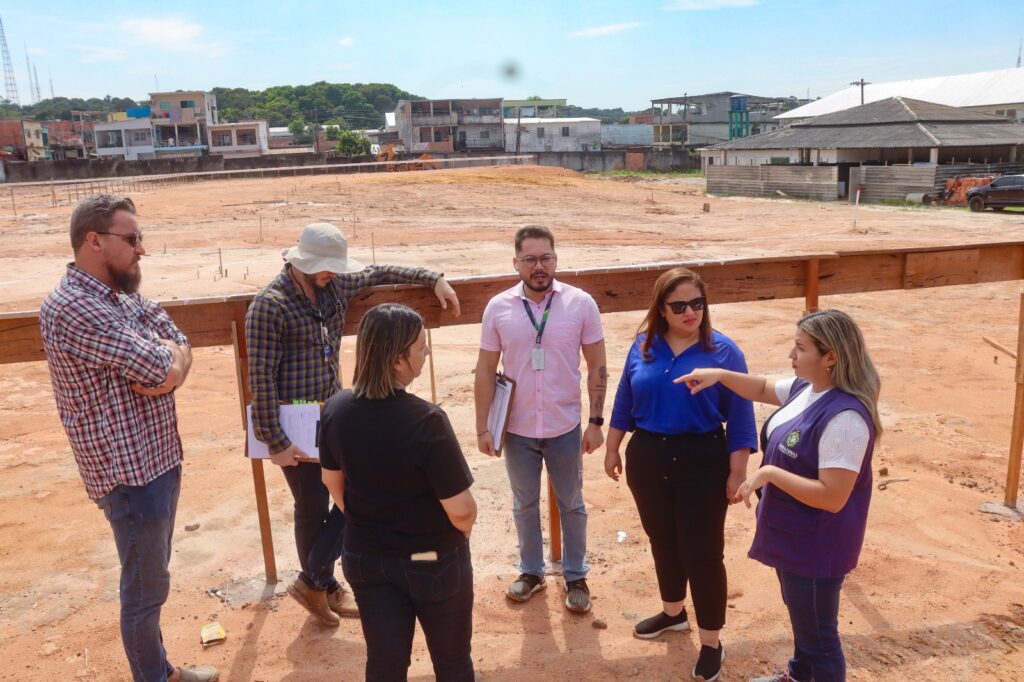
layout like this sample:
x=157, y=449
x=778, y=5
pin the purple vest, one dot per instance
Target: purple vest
x=793, y=536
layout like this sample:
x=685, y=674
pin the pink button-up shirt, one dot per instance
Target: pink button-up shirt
x=547, y=401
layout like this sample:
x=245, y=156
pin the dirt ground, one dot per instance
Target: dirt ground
x=939, y=593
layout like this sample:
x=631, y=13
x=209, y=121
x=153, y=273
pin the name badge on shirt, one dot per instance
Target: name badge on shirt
x=537, y=358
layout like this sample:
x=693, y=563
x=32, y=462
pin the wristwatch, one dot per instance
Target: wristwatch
x=596, y=421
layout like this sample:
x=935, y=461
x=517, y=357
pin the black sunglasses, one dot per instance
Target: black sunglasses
x=133, y=239
x=679, y=307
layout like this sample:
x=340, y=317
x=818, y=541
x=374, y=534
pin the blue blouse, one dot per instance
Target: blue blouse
x=648, y=399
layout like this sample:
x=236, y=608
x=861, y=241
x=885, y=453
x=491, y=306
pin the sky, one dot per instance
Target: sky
x=594, y=53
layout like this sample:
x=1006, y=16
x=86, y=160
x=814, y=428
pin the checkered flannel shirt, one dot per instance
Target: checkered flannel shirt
x=286, y=346
x=97, y=343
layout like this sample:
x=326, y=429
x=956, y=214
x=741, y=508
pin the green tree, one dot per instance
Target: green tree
x=300, y=130
x=352, y=143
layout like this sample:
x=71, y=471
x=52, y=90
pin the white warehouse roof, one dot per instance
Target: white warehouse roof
x=511, y=120
x=987, y=88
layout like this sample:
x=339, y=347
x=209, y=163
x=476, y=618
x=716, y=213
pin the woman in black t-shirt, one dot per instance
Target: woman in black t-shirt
x=393, y=464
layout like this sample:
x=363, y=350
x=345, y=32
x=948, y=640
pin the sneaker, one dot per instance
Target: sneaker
x=709, y=663
x=524, y=587
x=577, y=596
x=342, y=603
x=198, y=675
x=655, y=625
x=783, y=676
x=314, y=601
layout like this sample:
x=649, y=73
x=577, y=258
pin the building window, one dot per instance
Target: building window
x=485, y=134
x=437, y=135
x=188, y=104
x=140, y=136
x=222, y=139
x=540, y=132
x=565, y=131
x=246, y=137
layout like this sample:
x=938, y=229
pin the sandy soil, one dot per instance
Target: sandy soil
x=938, y=594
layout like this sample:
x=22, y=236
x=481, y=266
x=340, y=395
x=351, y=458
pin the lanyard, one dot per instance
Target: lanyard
x=543, y=319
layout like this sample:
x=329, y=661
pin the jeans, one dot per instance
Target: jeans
x=319, y=526
x=393, y=592
x=563, y=456
x=813, y=605
x=678, y=484
x=142, y=518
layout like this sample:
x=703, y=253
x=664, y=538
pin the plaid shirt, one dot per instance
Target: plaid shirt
x=287, y=336
x=97, y=343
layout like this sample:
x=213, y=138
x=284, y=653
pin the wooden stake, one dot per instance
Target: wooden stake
x=1017, y=433
x=13, y=206
x=373, y=248
x=811, y=286
x=220, y=257
x=261, y=229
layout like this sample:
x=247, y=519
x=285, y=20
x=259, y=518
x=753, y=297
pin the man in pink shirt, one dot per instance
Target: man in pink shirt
x=540, y=326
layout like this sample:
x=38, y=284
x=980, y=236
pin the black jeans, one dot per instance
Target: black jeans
x=319, y=526
x=678, y=483
x=394, y=592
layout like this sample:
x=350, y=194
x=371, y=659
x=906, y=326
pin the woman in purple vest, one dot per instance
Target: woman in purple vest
x=815, y=481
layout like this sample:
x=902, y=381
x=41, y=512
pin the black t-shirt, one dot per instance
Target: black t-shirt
x=400, y=457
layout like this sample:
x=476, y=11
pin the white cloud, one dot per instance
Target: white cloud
x=171, y=34
x=92, y=55
x=347, y=41
x=596, y=31
x=696, y=5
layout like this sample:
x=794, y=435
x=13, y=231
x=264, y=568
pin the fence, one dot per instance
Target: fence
x=806, y=182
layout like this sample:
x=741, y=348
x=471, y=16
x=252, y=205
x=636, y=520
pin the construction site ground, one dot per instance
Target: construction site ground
x=938, y=595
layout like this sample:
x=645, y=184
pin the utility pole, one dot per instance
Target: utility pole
x=861, y=83
x=1019, y=46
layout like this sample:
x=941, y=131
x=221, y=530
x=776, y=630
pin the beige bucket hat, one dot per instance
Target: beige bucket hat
x=321, y=248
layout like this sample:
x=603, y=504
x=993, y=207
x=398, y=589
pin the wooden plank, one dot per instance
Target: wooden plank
x=940, y=269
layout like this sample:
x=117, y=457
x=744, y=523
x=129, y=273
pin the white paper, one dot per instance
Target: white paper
x=499, y=408
x=299, y=422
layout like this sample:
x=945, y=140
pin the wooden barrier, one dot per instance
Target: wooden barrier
x=217, y=321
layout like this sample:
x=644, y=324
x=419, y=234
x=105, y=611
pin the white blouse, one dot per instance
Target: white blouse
x=843, y=442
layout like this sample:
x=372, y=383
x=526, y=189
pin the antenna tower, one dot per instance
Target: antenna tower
x=10, y=85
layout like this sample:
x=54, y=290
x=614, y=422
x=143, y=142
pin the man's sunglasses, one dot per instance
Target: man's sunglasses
x=133, y=239
x=697, y=304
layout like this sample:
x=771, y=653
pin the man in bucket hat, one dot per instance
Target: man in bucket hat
x=293, y=332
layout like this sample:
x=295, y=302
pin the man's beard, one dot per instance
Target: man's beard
x=311, y=281
x=127, y=280
x=532, y=287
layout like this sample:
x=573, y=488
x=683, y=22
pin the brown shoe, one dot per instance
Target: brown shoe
x=198, y=675
x=342, y=603
x=314, y=601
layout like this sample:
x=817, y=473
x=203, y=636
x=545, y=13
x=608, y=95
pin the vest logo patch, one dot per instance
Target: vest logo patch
x=793, y=438
x=787, y=446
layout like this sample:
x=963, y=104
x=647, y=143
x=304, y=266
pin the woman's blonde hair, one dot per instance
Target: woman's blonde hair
x=385, y=335
x=854, y=372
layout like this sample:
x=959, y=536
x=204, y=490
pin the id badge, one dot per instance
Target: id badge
x=537, y=358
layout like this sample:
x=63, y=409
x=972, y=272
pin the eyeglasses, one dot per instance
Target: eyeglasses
x=133, y=239
x=531, y=261
x=697, y=304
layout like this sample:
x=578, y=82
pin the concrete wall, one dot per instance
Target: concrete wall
x=807, y=182
x=626, y=135
x=608, y=160
x=583, y=136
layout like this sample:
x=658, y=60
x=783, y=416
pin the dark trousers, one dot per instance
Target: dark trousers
x=394, y=592
x=813, y=605
x=319, y=526
x=142, y=518
x=678, y=483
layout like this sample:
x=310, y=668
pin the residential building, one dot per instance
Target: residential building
x=626, y=135
x=699, y=120
x=450, y=125
x=130, y=139
x=552, y=135
x=22, y=140
x=238, y=140
x=1000, y=93
x=896, y=130
x=531, y=108
x=181, y=122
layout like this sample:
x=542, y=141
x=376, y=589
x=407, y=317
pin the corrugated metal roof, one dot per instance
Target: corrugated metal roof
x=987, y=88
x=533, y=121
x=893, y=123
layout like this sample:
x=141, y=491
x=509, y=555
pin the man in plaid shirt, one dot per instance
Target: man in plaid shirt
x=115, y=359
x=293, y=333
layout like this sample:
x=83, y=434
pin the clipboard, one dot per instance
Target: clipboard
x=501, y=408
x=301, y=423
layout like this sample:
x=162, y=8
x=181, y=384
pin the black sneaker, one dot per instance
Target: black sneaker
x=655, y=625
x=577, y=596
x=524, y=586
x=709, y=663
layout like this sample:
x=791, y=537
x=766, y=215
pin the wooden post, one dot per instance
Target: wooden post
x=13, y=206
x=556, y=522
x=811, y=287
x=1017, y=434
x=258, y=480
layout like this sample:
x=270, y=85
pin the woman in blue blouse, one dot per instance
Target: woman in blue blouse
x=682, y=467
